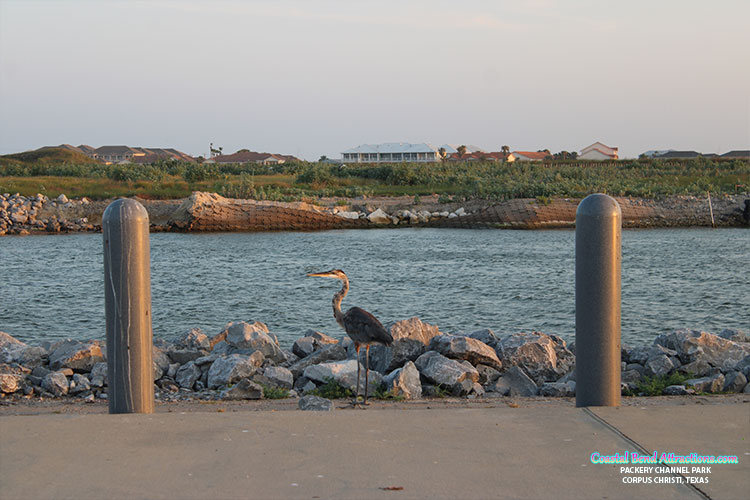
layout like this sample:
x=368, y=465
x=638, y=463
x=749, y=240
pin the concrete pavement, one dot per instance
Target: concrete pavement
x=504, y=452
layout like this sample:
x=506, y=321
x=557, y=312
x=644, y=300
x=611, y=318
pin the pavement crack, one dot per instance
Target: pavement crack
x=643, y=451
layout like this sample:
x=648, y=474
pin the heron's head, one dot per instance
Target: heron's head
x=333, y=273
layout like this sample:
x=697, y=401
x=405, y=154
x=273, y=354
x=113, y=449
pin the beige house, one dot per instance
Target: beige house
x=598, y=151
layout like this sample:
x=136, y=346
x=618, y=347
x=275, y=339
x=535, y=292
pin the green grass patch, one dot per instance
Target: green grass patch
x=331, y=389
x=273, y=392
x=654, y=386
x=387, y=394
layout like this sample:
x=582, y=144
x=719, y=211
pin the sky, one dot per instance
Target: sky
x=312, y=78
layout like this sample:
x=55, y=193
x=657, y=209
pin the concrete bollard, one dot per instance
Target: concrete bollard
x=598, y=241
x=127, y=295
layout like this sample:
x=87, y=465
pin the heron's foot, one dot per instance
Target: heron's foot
x=356, y=403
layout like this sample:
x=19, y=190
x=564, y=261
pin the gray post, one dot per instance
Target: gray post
x=598, y=236
x=127, y=296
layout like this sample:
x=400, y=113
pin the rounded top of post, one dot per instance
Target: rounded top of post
x=599, y=205
x=124, y=208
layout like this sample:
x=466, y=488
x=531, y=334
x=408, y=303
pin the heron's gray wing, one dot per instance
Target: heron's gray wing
x=363, y=327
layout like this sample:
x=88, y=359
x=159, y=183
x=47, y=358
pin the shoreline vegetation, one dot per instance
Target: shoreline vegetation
x=308, y=182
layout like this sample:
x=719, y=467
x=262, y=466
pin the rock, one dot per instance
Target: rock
x=515, y=382
x=279, y=376
x=255, y=337
x=659, y=366
x=168, y=385
x=304, y=346
x=638, y=355
x=222, y=349
x=692, y=345
x=635, y=366
x=334, y=352
x=98, y=375
x=744, y=366
x=11, y=349
x=315, y=403
x=631, y=377
x=466, y=348
x=193, y=340
x=446, y=372
x=735, y=335
x=182, y=356
x=230, y=369
x=404, y=382
x=187, y=375
x=707, y=384
x=558, y=389
x=79, y=356
x=34, y=356
x=160, y=361
x=321, y=338
x=413, y=328
x=79, y=384
x=10, y=382
x=698, y=368
x=487, y=336
x=379, y=217
x=55, y=383
x=487, y=375
x=677, y=390
x=62, y=199
x=385, y=359
x=345, y=373
x=206, y=360
x=543, y=357
x=734, y=382
x=172, y=370
x=245, y=389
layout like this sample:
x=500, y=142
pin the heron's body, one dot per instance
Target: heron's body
x=361, y=326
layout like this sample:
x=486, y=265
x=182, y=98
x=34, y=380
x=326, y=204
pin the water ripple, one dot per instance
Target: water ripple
x=52, y=287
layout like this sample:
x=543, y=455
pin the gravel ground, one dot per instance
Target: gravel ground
x=37, y=406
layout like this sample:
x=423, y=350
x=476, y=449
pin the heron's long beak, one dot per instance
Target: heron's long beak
x=326, y=274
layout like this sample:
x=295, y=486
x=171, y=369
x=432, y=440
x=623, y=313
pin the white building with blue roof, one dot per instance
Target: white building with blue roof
x=391, y=152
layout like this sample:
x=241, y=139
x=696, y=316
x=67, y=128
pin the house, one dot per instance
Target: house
x=531, y=155
x=737, y=154
x=115, y=154
x=245, y=156
x=598, y=151
x=683, y=155
x=390, y=152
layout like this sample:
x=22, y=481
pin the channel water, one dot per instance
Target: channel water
x=51, y=287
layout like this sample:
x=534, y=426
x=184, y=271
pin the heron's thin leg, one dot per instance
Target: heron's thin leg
x=356, y=392
x=367, y=369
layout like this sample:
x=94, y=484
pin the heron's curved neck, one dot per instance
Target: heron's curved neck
x=337, y=298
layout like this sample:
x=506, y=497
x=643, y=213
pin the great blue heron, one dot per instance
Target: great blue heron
x=361, y=326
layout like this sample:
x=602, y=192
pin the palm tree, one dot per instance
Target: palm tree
x=461, y=150
x=443, y=154
x=505, y=150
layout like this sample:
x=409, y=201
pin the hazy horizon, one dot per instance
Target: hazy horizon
x=312, y=78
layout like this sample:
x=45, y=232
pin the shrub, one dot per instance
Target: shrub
x=331, y=389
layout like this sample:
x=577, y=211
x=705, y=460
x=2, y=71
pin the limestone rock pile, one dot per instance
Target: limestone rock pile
x=245, y=361
x=378, y=216
x=21, y=215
